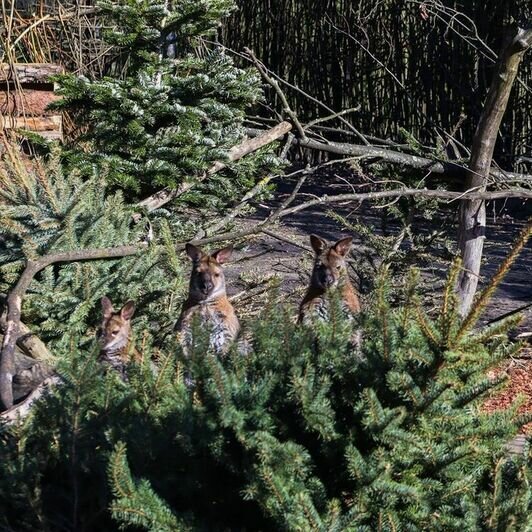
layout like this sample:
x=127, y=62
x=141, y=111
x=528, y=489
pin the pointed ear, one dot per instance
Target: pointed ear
x=107, y=307
x=128, y=310
x=318, y=244
x=343, y=246
x=222, y=255
x=193, y=252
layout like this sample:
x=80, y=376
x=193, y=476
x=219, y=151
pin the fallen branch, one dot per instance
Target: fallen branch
x=446, y=168
x=363, y=196
x=508, y=314
x=249, y=145
x=423, y=193
x=14, y=304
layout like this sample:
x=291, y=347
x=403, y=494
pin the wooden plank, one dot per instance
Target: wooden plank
x=26, y=102
x=52, y=135
x=38, y=123
x=28, y=72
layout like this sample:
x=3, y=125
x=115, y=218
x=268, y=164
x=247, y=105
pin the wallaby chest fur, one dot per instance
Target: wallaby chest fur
x=207, y=304
x=316, y=302
x=217, y=316
x=329, y=277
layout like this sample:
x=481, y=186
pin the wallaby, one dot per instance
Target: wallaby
x=329, y=273
x=207, y=300
x=115, y=337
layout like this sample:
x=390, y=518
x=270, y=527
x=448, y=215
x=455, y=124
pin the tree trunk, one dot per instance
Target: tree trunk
x=472, y=222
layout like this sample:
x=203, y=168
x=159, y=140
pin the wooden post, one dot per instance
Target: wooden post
x=472, y=221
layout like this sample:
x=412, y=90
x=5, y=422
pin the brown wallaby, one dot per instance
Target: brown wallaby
x=115, y=337
x=207, y=300
x=329, y=273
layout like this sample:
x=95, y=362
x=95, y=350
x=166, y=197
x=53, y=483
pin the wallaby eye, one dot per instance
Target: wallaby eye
x=114, y=333
x=216, y=275
x=338, y=266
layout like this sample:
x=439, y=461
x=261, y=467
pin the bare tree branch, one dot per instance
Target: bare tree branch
x=250, y=194
x=447, y=168
x=157, y=200
x=379, y=154
x=422, y=193
x=275, y=85
x=30, y=344
x=16, y=295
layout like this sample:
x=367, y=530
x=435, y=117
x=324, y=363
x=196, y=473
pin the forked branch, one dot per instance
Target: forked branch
x=16, y=295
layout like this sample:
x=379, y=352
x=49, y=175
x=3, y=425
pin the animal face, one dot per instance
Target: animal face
x=207, y=280
x=116, y=326
x=329, y=263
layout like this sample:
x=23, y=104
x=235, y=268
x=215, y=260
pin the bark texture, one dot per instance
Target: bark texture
x=473, y=212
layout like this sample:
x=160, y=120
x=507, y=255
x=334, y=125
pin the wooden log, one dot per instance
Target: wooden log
x=37, y=123
x=21, y=410
x=27, y=102
x=29, y=373
x=31, y=345
x=28, y=72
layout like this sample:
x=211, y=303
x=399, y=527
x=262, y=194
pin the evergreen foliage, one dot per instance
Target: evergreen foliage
x=302, y=433
x=44, y=210
x=176, y=107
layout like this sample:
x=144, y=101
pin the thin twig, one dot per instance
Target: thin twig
x=317, y=121
x=275, y=85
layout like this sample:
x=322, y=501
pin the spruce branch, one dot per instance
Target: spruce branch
x=16, y=295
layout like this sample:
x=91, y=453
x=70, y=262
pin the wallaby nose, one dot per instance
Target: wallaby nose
x=208, y=286
x=329, y=280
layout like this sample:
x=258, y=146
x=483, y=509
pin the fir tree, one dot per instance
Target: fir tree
x=173, y=110
x=302, y=433
x=45, y=209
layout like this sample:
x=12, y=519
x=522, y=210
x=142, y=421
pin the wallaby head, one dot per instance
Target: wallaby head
x=329, y=263
x=207, y=280
x=116, y=326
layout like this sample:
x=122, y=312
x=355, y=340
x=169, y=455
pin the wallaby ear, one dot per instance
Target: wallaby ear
x=343, y=246
x=107, y=307
x=318, y=244
x=128, y=310
x=193, y=252
x=222, y=255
